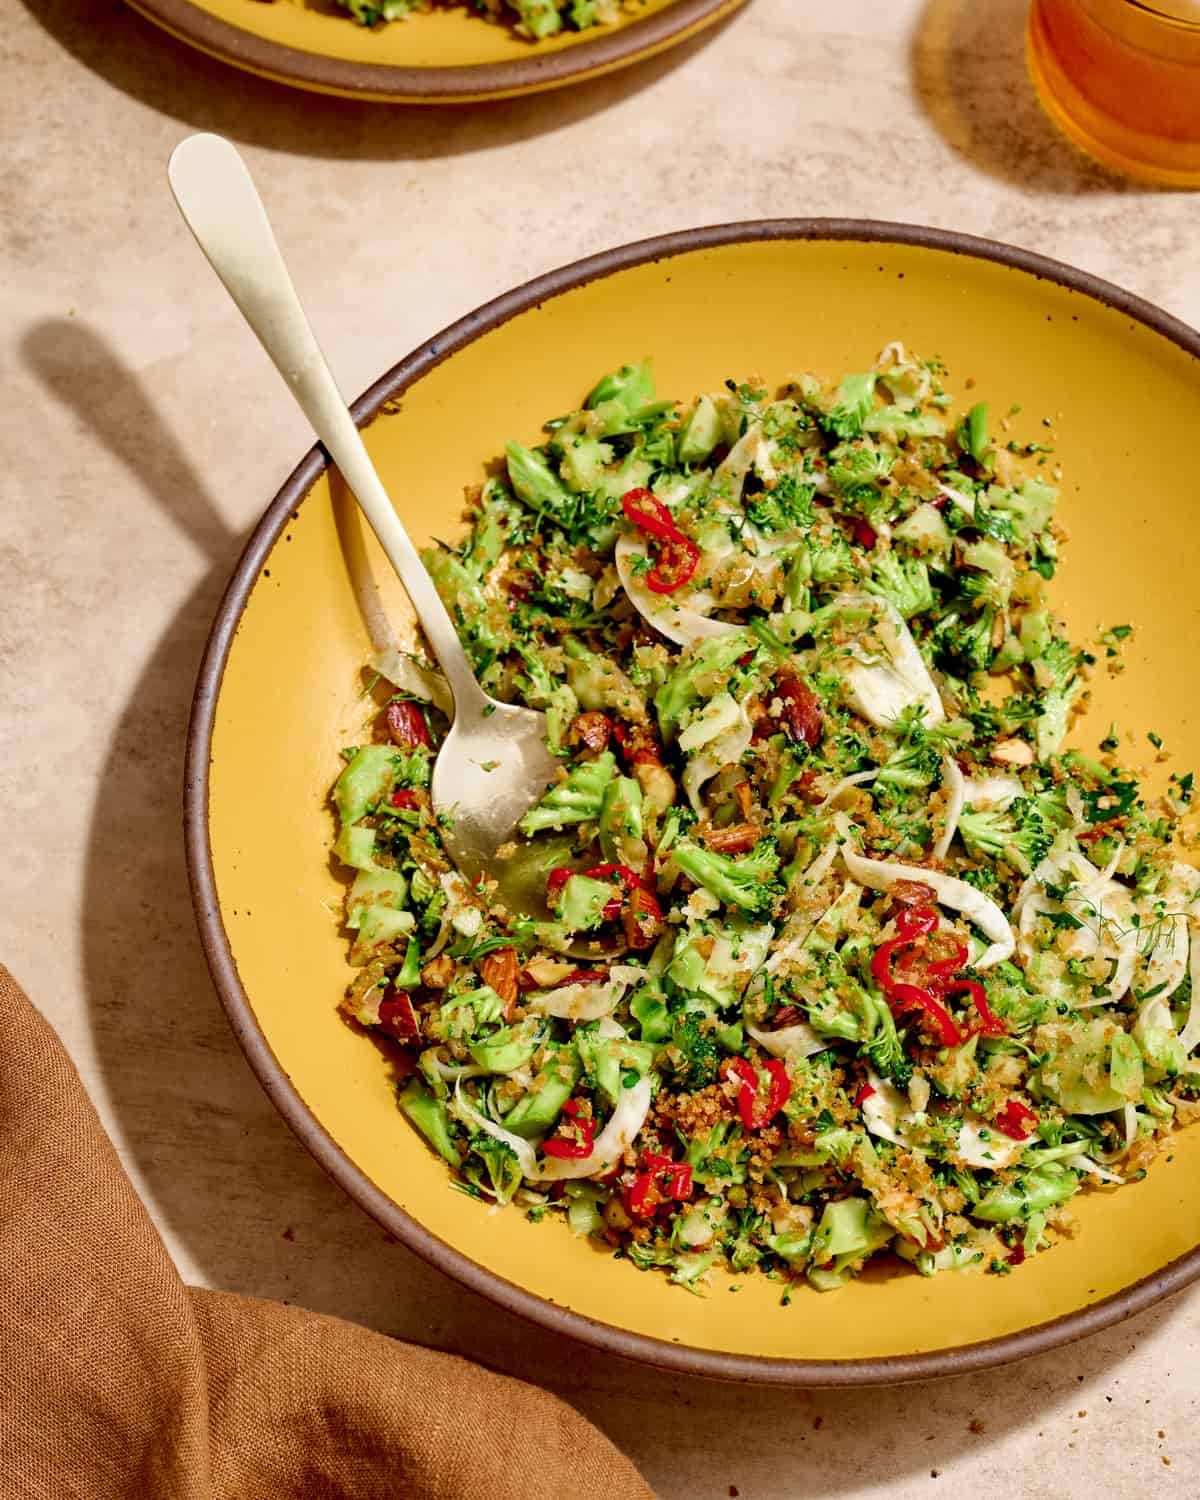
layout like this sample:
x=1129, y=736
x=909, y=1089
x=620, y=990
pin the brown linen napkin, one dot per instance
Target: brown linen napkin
x=117, y=1381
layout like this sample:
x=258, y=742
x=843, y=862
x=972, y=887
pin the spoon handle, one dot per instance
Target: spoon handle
x=221, y=206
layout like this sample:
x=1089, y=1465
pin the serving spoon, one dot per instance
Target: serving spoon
x=493, y=764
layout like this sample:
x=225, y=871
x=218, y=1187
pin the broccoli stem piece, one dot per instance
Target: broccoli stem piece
x=632, y=387
x=578, y=799
x=429, y=1116
x=1033, y=1193
x=905, y=582
x=535, y=1112
x=622, y=839
x=533, y=479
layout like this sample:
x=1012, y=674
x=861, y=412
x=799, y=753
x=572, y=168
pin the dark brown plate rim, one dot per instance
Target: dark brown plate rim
x=1172, y=1277
x=530, y=73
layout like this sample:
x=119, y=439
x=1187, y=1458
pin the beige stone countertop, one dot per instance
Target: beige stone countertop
x=143, y=433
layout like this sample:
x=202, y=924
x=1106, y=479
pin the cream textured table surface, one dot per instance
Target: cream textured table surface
x=142, y=435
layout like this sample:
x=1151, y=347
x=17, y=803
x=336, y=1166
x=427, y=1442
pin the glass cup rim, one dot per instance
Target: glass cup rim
x=1185, y=23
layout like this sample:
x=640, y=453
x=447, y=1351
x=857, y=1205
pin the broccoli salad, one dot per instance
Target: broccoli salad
x=534, y=19
x=872, y=963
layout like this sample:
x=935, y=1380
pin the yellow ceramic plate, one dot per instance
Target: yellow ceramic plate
x=445, y=57
x=279, y=692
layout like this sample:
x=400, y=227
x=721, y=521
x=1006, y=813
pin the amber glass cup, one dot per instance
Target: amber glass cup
x=1122, y=80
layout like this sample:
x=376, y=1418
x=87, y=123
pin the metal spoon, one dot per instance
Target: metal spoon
x=493, y=764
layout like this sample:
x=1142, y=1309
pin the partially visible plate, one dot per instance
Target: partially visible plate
x=446, y=57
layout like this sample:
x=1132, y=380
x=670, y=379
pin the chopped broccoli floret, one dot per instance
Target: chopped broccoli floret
x=903, y=581
x=463, y=595
x=994, y=576
x=788, y=507
x=492, y=1167
x=749, y=881
x=1028, y=508
x=582, y=903
x=882, y=1045
x=701, y=673
x=693, y=1052
x=917, y=763
x=1017, y=835
x=964, y=643
x=858, y=463
x=578, y=799
x=852, y=405
x=541, y=691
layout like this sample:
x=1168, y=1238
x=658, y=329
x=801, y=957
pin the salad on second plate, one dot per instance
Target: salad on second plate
x=535, y=19
x=875, y=963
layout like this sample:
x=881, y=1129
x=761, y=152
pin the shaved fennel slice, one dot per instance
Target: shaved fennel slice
x=820, y=867
x=586, y=1000
x=883, y=690
x=860, y=778
x=953, y=781
x=885, y=1111
x=1164, y=938
x=726, y=750
x=1130, y=1124
x=882, y=875
x=450, y=1072
x=1102, y=907
x=980, y=1144
x=799, y=1040
x=612, y=1142
x=405, y=672
x=685, y=624
x=526, y=1156
x=888, y=1114
x=751, y=451
x=1082, y=1163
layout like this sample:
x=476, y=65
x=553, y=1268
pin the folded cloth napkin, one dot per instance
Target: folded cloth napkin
x=116, y=1380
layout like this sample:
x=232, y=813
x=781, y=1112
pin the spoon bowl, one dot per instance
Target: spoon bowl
x=491, y=767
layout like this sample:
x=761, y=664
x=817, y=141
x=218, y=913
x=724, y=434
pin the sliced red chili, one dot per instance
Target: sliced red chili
x=402, y=797
x=675, y=555
x=660, y=1179
x=675, y=563
x=916, y=921
x=990, y=1024
x=863, y=1095
x=406, y=725
x=1016, y=1120
x=755, y=1110
x=648, y=513
x=585, y=976
x=905, y=997
x=576, y=1135
x=556, y=879
x=939, y=970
